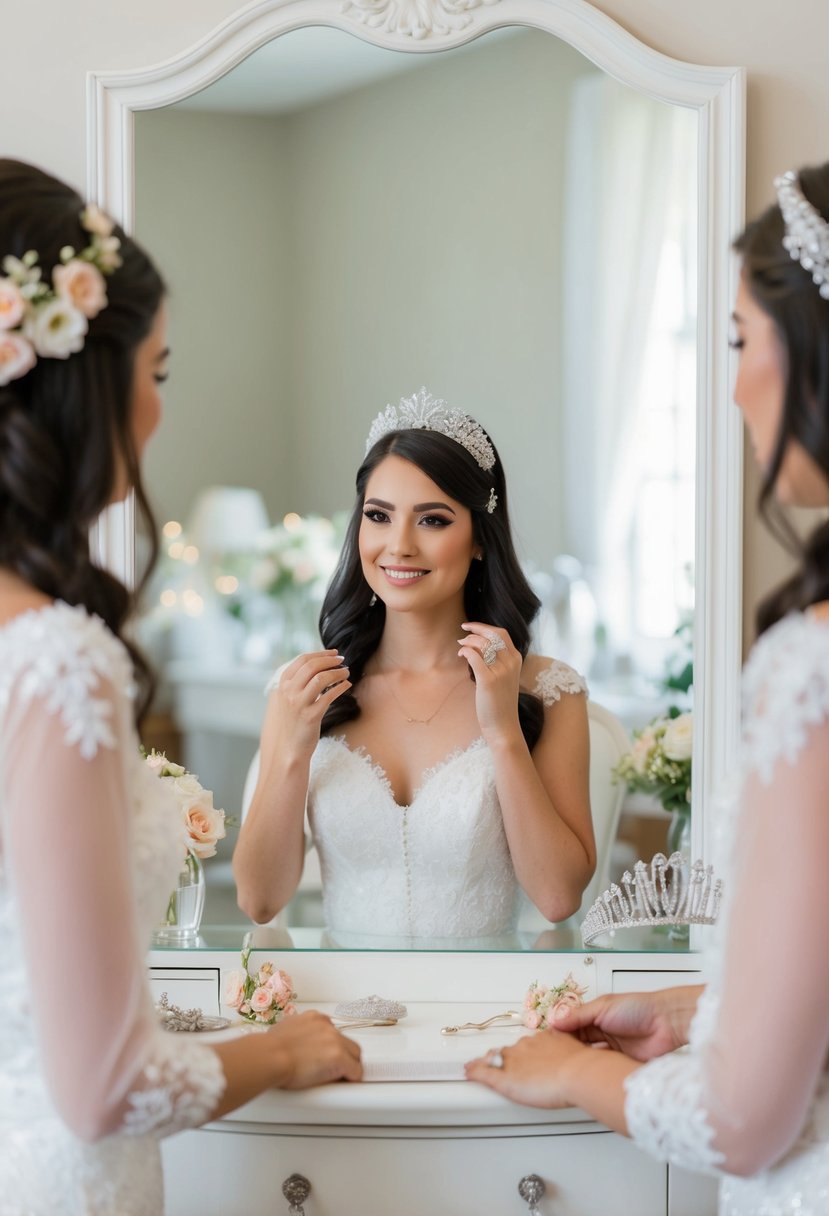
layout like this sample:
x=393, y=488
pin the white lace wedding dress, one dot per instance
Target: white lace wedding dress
x=750, y=1096
x=90, y=846
x=439, y=868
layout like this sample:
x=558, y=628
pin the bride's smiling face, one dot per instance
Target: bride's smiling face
x=416, y=543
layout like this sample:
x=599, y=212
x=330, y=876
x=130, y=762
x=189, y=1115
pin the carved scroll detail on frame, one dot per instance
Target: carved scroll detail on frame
x=416, y=19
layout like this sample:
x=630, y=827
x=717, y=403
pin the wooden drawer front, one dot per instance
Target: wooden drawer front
x=217, y=1173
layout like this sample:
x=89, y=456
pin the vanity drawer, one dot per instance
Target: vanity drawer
x=356, y=1173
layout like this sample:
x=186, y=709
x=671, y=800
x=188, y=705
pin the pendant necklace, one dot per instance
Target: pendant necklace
x=435, y=712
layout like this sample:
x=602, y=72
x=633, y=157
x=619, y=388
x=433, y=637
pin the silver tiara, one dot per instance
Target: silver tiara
x=807, y=232
x=666, y=892
x=423, y=412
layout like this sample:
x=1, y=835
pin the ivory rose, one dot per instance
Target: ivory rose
x=16, y=357
x=96, y=221
x=56, y=330
x=678, y=738
x=234, y=989
x=82, y=285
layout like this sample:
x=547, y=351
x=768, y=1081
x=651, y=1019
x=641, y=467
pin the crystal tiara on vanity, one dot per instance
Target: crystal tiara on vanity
x=662, y=893
x=423, y=412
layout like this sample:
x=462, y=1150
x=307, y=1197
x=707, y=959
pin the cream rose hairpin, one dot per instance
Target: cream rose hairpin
x=49, y=320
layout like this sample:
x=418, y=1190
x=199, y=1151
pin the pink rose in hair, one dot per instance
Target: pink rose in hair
x=16, y=357
x=12, y=304
x=82, y=285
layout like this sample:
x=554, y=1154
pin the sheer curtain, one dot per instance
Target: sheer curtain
x=629, y=270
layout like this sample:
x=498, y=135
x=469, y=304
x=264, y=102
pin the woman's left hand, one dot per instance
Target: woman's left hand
x=535, y=1069
x=497, y=667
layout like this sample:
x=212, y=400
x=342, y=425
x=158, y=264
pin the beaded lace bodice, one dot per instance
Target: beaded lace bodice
x=750, y=1094
x=437, y=868
x=89, y=850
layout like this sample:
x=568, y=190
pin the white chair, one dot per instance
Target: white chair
x=608, y=743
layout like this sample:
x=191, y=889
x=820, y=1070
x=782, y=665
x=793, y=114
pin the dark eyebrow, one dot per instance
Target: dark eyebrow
x=421, y=506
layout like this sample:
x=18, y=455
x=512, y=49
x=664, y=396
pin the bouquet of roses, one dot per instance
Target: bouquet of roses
x=659, y=762
x=264, y=997
x=540, y=1002
x=204, y=823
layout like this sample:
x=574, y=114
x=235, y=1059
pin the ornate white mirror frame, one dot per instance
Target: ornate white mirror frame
x=717, y=96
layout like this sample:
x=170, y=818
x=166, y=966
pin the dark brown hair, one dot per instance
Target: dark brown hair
x=496, y=589
x=786, y=292
x=63, y=424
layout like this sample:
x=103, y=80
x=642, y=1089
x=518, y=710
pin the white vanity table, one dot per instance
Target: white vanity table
x=410, y=1147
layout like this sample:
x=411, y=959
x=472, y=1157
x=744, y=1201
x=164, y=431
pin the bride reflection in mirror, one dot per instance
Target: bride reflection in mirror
x=444, y=768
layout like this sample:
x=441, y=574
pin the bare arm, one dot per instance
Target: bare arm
x=544, y=796
x=267, y=861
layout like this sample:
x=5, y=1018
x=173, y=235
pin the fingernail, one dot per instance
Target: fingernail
x=560, y=1011
x=466, y=625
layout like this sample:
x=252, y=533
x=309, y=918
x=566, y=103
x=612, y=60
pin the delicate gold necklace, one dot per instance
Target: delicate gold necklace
x=435, y=712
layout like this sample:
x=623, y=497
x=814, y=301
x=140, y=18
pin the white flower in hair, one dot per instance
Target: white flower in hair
x=56, y=330
x=423, y=412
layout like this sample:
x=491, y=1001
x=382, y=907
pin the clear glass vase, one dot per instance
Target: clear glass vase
x=679, y=841
x=185, y=907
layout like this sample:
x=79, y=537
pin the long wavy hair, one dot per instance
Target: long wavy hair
x=495, y=590
x=786, y=292
x=64, y=424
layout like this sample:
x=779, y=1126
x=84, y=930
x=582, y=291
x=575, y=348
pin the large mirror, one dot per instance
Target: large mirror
x=506, y=223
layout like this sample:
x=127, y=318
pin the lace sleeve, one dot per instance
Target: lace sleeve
x=554, y=679
x=741, y=1096
x=65, y=845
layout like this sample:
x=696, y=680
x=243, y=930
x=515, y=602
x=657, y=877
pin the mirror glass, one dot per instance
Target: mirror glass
x=341, y=224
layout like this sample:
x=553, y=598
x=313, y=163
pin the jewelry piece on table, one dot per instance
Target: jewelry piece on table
x=509, y=1016
x=362, y=1023
x=490, y=652
x=495, y=1059
x=175, y=1018
x=370, y=1009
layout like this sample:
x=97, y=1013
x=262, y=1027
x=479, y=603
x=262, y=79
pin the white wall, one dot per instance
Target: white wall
x=782, y=46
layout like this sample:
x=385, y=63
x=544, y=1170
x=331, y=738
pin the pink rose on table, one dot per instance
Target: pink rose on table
x=532, y=1019
x=289, y=1010
x=280, y=985
x=261, y=1000
x=570, y=998
x=82, y=285
x=234, y=989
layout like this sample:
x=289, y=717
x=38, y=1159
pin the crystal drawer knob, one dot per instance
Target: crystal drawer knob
x=531, y=1188
x=296, y=1190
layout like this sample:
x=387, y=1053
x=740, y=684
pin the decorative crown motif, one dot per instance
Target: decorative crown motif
x=664, y=893
x=807, y=232
x=423, y=412
x=50, y=321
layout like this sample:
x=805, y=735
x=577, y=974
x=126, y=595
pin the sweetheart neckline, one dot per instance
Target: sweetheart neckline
x=365, y=757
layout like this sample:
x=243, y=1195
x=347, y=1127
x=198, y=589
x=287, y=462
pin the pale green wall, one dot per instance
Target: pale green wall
x=407, y=233
x=211, y=205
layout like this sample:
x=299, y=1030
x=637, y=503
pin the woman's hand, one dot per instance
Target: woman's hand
x=296, y=706
x=536, y=1070
x=496, y=682
x=641, y=1025
x=310, y=1051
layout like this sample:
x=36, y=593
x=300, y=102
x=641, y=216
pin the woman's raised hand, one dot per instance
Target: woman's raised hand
x=497, y=667
x=296, y=706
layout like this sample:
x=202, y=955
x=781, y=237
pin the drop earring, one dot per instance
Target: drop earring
x=373, y=600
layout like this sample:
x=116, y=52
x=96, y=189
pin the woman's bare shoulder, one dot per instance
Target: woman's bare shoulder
x=548, y=678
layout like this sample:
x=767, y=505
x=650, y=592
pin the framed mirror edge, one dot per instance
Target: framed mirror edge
x=717, y=94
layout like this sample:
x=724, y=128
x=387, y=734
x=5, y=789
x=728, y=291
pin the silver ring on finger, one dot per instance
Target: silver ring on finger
x=490, y=652
x=495, y=1059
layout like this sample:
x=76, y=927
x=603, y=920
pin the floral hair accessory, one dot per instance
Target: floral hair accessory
x=204, y=824
x=264, y=997
x=50, y=321
x=423, y=412
x=540, y=1002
